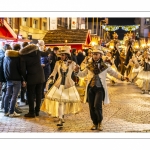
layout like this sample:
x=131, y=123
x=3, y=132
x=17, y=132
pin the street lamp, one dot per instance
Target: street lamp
x=66, y=41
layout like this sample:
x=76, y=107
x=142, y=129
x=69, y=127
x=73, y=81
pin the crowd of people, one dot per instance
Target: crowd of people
x=47, y=79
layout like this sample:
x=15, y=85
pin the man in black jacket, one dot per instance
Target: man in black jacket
x=53, y=57
x=33, y=73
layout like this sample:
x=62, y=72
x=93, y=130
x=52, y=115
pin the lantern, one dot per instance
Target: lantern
x=148, y=43
x=136, y=45
x=142, y=43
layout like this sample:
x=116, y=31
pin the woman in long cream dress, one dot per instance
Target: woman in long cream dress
x=63, y=97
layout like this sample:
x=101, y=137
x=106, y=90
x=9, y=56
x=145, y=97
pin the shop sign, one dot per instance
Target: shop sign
x=82, y=26
x=53, y=23
x=73, y=23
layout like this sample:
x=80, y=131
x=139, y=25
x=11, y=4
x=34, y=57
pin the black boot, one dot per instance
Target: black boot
x=94, y=127
x=36, y=113
x=29, y=115
x=27, y=102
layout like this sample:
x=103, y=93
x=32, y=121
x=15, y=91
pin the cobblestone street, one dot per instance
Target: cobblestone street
x=128, y=111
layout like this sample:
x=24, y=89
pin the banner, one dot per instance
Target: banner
x=73, y=23
x=53, y=23
x=82, y=26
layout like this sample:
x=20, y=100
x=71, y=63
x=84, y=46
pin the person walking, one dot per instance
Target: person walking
x=96, y=91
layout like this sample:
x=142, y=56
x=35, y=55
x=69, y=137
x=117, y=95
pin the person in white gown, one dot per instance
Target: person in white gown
x=63, y=97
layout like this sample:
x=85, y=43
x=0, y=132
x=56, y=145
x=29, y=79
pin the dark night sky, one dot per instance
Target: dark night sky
x=117, y=21
x=121, y=21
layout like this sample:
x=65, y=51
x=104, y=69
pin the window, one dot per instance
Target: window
x=82, y=20
x=44, y=26
x=147, y=21
x=146, y=31
x=35, y=24
x=1, y=22
x=59, y=21
x=9, y=21
x=25, y=20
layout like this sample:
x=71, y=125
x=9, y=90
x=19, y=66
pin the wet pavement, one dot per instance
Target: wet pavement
x=128, y=111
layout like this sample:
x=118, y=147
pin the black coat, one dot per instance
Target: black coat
x=80, y=58
x=74, y=58
x=53, y=58
x=31, y=68
x=2, y=55
x=129, y=55
x=11, y=66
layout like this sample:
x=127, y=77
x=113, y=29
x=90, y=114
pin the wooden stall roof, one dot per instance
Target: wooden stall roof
x=72, y=36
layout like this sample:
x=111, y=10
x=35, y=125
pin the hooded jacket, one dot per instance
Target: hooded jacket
x=11, y=66
x=31, y=68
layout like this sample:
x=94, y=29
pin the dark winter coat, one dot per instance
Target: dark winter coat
x=80, y=58
x=2, y=55
x=53, y=58
x=11, y=66
x=74, y=58
x=31, y=68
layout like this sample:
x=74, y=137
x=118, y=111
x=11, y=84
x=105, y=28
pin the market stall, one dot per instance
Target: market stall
x=74, y=38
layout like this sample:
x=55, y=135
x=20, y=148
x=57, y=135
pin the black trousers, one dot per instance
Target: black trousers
x=23, y=92
x=44, y=85
x=95, y=97
x=34, y=90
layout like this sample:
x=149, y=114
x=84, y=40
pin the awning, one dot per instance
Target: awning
x=7, y=33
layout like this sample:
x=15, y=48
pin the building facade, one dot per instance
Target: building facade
x=36, y=28
x=144, y=27
x=29, y=28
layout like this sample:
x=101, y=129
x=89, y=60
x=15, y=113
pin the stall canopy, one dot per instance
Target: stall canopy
x=7, y=33
x=74, y=38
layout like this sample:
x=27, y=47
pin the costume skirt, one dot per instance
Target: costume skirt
x=145, y=77
x=139, y=83
x=54, y=96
